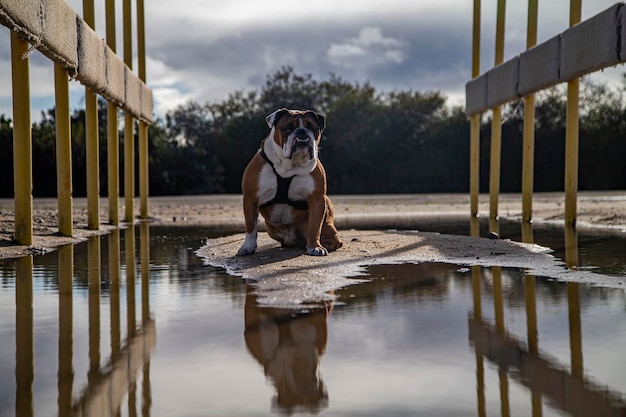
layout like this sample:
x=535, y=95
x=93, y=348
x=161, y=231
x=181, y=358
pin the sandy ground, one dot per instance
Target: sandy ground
x=595, y=209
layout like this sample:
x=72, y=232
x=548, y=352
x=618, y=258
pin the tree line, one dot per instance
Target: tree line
x=375, y=142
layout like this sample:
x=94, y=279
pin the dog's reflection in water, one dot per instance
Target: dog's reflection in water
x=288, y=344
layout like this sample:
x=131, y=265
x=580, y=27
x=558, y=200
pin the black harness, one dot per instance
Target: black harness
x=282, y=192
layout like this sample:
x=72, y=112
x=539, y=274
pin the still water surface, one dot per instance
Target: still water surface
x=134, y=324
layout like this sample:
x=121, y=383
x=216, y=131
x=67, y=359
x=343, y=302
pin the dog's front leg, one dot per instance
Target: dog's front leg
x=317, y=209
x=251, y=214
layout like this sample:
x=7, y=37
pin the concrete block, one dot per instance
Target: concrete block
x=116, y=78
x=502, y=85
x=91, y=57
x=476, y=95
x=132, y=98
x=592, y=44
x=622, y=17
x=539, y=67
x=60, y=43
x=146, y=104
x=23, y=17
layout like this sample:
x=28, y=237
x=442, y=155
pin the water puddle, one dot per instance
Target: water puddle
x=134, y=322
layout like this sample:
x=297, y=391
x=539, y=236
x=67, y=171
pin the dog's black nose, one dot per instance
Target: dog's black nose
x=301, y=133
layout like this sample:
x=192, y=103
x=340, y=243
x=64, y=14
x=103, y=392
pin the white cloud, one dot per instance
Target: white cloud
x=369, y=48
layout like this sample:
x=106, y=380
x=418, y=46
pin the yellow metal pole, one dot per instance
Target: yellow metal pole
x=143, y=170
x=129, y=151
x=91, y=139
x=143, y=127
x=93, y=171
x=113, y=151
x=474, y=163
x=496, y=128
x=528, y=157
x=128, y=33
x=129, y=168
x=22, y=142
x=495, y=157
x=141, y=41
x=113, y=156
x=64, y=150
x=475, y=120
x=571, y=134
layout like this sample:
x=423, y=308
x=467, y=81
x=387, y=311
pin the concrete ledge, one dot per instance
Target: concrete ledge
x=502, y=85
x=116, y=78
x=591, y=45
x=598, y=42
x=146, y=104
x=53, y=27
x=539, y=67
x=60, y=35
x=476, y=94
x=132, y=96
x=91, y=57
x=23, y=17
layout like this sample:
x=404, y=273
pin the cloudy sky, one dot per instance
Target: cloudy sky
x=203, y=50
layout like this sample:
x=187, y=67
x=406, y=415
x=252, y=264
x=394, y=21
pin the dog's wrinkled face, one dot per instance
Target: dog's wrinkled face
x=297, y=132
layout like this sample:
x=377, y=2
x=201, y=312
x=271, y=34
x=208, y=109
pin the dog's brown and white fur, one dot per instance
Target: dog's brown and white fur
x=292, y=147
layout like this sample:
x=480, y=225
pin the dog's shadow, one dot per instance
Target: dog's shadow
x=266, y=255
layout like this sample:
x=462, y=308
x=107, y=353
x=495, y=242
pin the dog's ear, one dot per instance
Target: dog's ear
x=273, y=118
x=320, y=118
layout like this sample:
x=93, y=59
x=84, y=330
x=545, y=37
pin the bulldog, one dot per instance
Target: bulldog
x=286, y=182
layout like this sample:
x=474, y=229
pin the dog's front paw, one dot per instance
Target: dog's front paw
x=318, y=251
x=248, y=248
x=244, y=250
x=249, y=245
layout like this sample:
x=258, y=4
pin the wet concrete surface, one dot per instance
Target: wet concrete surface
x=286, y=276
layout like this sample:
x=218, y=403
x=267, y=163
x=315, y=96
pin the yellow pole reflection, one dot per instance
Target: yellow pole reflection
x=93, y=278
x=147, y=390
x=575, y=330
x=24, y=340
x=145, y=311
x=573, y=303
x=480, y=366
x=132, y=399
x=129, y=241
x=531, y=314
x=498, y=303
x=66, y=370
x=532, y=336
x=144, y=230
x=114, y=290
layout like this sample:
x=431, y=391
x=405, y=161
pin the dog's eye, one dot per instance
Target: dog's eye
x=288, y=128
